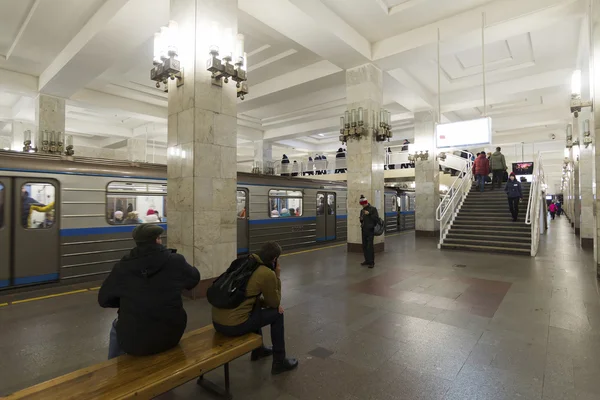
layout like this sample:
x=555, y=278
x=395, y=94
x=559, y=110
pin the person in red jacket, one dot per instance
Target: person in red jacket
x=481, y=169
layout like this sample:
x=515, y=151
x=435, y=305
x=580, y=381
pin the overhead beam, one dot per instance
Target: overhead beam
x=289, y=18
x=97, y=129
x=133, y=108
x=21, y=29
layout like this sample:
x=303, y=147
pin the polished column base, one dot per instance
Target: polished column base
x=587, y=243
x=427, y=233
x=357, y=247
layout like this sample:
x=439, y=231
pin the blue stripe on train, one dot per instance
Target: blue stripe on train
x=242, y=250
x=40, y=171
x=391, y=214
x=406, y=212
x=324, y=239
x=101, y=230
x=36, y=279
x=4, y=283
x=280, y=220
x=341, y=217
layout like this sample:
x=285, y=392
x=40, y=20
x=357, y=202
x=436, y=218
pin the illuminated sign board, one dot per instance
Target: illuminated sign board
x=464, y=133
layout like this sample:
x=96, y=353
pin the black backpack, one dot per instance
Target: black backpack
x=228, y=291
x=379, y=228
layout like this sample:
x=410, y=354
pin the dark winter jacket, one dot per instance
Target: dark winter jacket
x=146, y=287
x=497, y=161
x=481, y=166
x=513, y=189
x=27, y=203
x=368, y=222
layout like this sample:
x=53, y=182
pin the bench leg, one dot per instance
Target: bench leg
x=215, y=389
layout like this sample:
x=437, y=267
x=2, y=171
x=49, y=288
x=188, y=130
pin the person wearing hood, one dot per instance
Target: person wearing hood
x=514, y=194
x=285, y=166
x=498, y=166
x=146, y=287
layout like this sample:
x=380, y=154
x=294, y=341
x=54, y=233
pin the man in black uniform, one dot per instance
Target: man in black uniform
x=368, y=219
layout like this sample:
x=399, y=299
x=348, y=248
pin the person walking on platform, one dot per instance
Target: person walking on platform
x=481, y=169
x=368, y=219
x=552, y=210
x=514, y=193
x=257, y=307
x=146, y=287
x=498, y=166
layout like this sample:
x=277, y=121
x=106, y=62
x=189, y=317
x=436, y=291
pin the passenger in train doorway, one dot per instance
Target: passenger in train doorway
x=146, y=287
x=498, y=166
x=259, y=306
x=28, y=201
x=514, y=193
x=368, y=219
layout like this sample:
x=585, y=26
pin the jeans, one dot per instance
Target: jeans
x=113, y=344
x=552, y=214
x=497, y=177
x=480, y=181
x=513, y=205
x=368, y=247
x=258, y=318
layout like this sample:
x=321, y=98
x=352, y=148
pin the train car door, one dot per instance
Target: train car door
x=36, y=226
x=326, y=216
x=243, y=214
x=5, y=231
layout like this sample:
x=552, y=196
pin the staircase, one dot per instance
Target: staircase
x=484, y=224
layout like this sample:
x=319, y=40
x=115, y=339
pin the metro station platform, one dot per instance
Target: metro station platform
x=424, y=324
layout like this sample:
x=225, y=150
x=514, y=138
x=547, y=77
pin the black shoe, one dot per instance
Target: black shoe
x=371, y=265
x=284, y=365
x=261, y=352
x=364, y=263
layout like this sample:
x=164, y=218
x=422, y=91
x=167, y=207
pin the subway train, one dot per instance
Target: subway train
x=71, y=219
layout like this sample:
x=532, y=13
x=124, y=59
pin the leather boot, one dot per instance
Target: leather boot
x=287, y=364
x=261, y=352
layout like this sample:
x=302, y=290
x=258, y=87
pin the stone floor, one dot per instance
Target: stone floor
x=424, y=324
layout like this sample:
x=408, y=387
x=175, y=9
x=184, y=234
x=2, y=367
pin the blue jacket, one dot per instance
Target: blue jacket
x=513, y=189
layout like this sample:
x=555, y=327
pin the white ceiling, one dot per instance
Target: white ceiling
x=98, y=55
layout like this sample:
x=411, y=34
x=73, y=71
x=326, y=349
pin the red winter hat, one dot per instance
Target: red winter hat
x=149, y=212
x=363, y=200
x=512, y=174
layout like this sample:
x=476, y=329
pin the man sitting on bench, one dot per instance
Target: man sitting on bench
x=146, y=287
x=254, y=312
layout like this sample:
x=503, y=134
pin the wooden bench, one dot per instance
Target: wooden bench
x=127, y=377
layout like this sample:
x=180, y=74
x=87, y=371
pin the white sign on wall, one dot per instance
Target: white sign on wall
x=464, y=133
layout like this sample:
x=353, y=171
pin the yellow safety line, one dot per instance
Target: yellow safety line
x=98, y=287
x=48, y=296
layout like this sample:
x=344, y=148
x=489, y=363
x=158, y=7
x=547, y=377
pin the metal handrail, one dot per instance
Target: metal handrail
x=457, y=192
x=535, y=190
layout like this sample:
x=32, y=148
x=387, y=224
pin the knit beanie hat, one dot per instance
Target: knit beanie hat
x=512, y=174
x=363, y=200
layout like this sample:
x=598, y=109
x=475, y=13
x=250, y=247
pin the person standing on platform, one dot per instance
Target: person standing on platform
x=552, y=210
x=498, y=166
x=368, y=219
x=481, y=169
x=558, y=208
x=285, y=166
x=146, y=287
x=514, y=194
x=341, y=157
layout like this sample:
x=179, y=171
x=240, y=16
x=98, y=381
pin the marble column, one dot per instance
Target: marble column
x=50, y=115
x=263, y=153
x=202, y=146
x=586, y=189
x=593, y=17
x=427, y=176
x=366, y=157
x=576, y=194
x=137, y=150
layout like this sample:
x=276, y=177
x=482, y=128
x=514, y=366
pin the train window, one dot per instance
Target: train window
x=129, y=203
x=285, y=203
x=1, y=205
x=241, y=204
x=37, y=205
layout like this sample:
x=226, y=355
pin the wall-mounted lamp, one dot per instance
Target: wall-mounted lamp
x=570, y=142
x=69, y=150
x=419, y=155
x=27, y=148
x=576, y=103
x=354, y=126
x=587, y=135
x=166, y=63
x=52, y=142
x=233, y=61
x=441, y=156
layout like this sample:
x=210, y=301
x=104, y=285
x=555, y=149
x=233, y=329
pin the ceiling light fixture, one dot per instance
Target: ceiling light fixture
x=165, y=60
x=222, y=69
x=354, y=126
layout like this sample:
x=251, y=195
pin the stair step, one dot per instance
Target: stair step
x=488, y=249
x=481, y=224
x=488, y=218
x=490, y=237
x=491, y=212
x=492, y=231
x=495, y=243
x=513, y=227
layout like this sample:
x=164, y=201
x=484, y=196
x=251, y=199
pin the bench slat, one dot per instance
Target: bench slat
x=125, y=377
